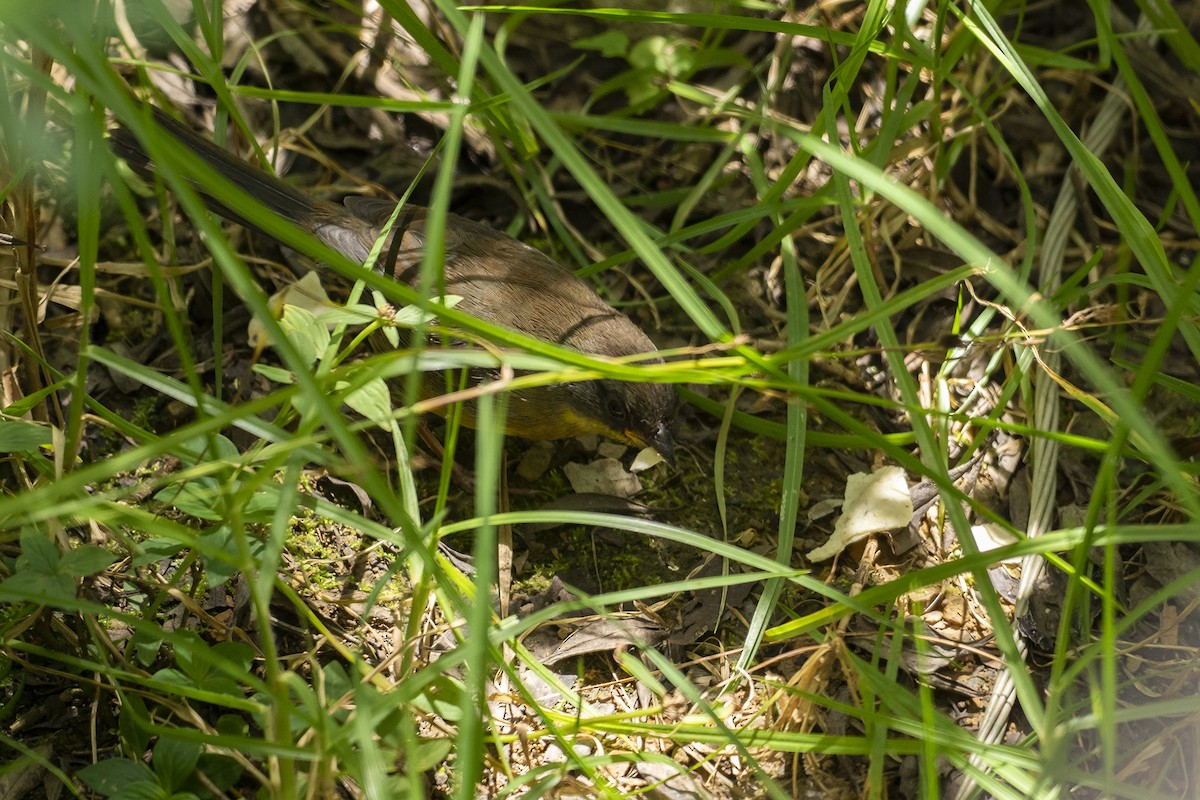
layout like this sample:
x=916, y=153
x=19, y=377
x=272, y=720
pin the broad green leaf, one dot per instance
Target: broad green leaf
x=373, y=400
x=17, y=436
x=309, y=334
x=86, y=560
x=175, y=760
x=114, y=775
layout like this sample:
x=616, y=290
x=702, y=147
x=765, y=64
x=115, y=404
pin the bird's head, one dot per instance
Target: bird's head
x=638, y=414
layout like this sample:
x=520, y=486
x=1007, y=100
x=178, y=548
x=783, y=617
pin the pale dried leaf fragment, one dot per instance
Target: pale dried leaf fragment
x=873, y=503
x=671, y=782
x=605, y=635
x=603, y=476
x=990, y=536
x=646, y=458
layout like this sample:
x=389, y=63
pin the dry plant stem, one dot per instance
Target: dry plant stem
x=26, y=221
x=504, y=558
x=9, y=388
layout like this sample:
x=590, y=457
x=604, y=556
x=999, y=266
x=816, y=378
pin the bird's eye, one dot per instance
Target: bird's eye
x=615, y=408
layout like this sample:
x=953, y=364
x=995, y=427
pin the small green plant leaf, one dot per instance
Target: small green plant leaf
x=218, y=541
x=86, y=560
x=669, y=58
x=261, y=506
x=406, y=317
x=337, y=682
x=427, y=754
x=39, y=587
x=174, y=761
x=220, y=771
x=174, y=677
x=373, y=400
x=357, y=314
x=115, y=776
x=146, y=645
x=238, y=655
x=442, y=697
x=157, y=549
x=276, y=374
x=232, y=725
x=133, y=724
x=309, y=334
x=18, y=436
x=38, y=574
x=38, y=553
x=647, y=53
x=611, y=43
x=31, y=401
x=199, y=663
x=200, y=498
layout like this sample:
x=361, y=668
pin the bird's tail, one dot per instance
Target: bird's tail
x=277, y=196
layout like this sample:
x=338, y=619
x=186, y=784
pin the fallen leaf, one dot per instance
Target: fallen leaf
x=602, y=476
x=874, y=503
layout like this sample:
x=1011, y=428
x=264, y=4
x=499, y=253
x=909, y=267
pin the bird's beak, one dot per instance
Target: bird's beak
x=660, y=438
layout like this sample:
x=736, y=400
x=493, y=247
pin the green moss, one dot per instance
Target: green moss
x=322, y=549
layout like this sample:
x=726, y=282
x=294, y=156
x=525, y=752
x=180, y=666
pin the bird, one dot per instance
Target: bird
x=499, y=279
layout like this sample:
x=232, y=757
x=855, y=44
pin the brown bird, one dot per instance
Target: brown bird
x=500, y=280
